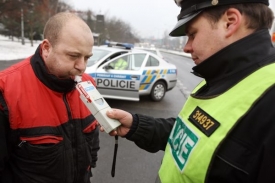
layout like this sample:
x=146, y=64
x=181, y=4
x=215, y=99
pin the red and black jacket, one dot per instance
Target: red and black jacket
x=52, y=136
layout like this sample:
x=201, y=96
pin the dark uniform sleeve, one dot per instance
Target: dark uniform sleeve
x=150, y=134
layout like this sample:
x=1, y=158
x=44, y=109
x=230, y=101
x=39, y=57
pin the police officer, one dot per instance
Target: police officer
x=225, y=130
x=120, y=64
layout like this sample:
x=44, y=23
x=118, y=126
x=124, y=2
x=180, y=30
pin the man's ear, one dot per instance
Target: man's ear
x=45, y=48
x=233, y=19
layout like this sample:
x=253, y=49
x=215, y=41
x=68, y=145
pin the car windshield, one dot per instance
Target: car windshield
x=98, y=54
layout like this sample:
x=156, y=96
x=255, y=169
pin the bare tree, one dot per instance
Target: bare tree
x=120, y=31
x=35, y=14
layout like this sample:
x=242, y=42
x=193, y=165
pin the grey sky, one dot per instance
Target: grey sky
x=149, y=18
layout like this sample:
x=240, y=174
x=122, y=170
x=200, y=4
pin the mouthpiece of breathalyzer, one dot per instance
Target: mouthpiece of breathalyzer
x=78, y=79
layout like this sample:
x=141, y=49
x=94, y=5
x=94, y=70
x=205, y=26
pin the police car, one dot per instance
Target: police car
x=153, y=50
x=146, y=73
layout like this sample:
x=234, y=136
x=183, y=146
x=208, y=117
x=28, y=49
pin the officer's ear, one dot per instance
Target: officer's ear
x=233, y=20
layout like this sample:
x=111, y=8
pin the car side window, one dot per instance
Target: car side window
x=121, y=63
x=152, y=61
x=137, y=60
x=112, y=56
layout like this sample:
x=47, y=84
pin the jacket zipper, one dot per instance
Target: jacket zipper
x=73, y=138
x=21, y=143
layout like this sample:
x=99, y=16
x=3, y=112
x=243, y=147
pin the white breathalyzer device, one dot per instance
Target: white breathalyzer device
x=96, y=104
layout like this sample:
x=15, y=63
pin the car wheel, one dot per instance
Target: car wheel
x=158, y=91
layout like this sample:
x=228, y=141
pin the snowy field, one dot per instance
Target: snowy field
x=12, y=50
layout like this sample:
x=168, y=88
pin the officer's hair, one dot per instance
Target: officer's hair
x=54, y=25
x=259, y=16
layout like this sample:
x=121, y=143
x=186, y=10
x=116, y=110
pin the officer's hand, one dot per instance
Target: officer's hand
x=125, y=118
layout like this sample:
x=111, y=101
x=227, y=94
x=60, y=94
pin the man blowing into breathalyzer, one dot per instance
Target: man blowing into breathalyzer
x=47, y=134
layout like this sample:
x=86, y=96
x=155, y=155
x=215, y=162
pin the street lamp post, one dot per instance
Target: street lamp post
x=22, y=27
x=31, y=22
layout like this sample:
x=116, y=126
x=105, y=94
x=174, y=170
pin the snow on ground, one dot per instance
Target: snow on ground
x=12, y=50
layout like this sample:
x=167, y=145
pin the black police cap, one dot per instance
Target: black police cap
x=191, y=8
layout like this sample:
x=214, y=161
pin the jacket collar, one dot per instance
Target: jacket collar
x=51, y=81
x=232, y=59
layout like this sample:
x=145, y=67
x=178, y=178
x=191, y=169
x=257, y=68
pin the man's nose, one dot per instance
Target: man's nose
x=81, y=64
x=188, y=47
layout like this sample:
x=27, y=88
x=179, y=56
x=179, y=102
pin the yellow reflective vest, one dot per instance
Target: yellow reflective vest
x=202, y=124
x=120, y=64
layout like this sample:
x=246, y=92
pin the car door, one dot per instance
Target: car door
x=116, y=82
x=151, y=73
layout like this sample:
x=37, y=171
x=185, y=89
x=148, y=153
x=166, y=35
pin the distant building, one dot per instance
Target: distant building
x=96, y=39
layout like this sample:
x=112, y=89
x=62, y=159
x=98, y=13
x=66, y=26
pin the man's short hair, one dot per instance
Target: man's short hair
x=192, y=8
x=258, y=15
x=54, y=25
